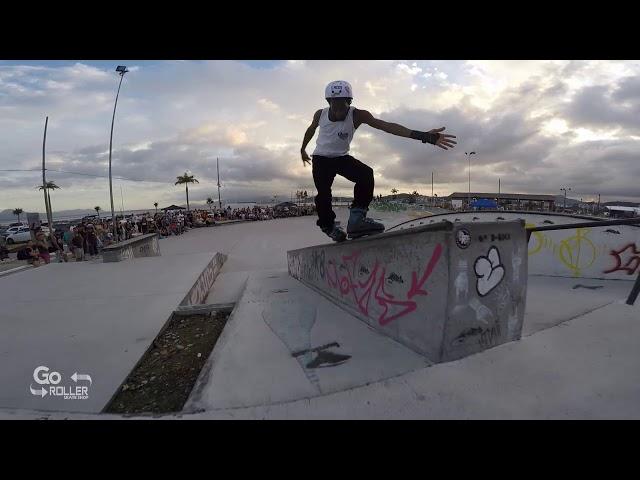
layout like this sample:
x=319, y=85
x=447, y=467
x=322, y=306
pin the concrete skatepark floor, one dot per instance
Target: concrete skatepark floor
x=577, y=345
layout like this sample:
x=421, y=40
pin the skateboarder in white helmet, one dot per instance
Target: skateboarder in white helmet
x=338, y=124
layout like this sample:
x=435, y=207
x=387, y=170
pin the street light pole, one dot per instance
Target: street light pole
x=431, y=188
x=121, y=69
x=218, y=168
x=47, y=202
x=565, y=197
x=469, y=158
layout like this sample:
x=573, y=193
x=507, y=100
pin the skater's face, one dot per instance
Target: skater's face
x=339, y=107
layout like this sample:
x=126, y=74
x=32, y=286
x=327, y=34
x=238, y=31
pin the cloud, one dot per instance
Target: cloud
x=268, y=105
x=537, y=125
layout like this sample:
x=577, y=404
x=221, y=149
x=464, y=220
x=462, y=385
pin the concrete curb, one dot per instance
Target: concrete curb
x=15, y=270
x=201, y=309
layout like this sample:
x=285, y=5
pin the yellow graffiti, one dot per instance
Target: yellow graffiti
x=539, y=239
x=577, y=252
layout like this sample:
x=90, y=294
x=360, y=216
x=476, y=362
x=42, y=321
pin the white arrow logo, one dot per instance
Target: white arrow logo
x=42, y=392
x=75, y=377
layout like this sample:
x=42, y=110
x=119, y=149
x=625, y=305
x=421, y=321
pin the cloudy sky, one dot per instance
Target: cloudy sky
x=537, y=125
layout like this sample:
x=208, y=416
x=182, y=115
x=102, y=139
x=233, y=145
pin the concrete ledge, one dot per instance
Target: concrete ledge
x=229, y=222
x=444, y=291
x=200, y=290
x=15, y=270
x=186, y=310
x=140, y=246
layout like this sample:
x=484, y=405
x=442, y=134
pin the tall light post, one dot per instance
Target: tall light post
x=431, y=188
x=218, y=168
x=121, y=69
x=47, y=203
x=469, y=158
x=565, y=197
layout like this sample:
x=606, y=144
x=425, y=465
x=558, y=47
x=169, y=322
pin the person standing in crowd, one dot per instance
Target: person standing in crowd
x=67, y=236
x=78, y=245
x=57, y=246
x=4, y=252
x=91, y=241
x=42, y=245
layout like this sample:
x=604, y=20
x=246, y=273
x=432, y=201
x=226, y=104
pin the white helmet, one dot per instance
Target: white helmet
x=338, y=89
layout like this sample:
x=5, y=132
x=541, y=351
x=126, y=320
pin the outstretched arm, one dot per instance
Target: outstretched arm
x=308, y=135
x=434, y=136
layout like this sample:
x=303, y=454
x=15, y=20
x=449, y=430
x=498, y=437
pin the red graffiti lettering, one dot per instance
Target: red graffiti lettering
x=416, y=287
x=409, y=305
x=629, y=264
x=332, y=281
x=362, y=289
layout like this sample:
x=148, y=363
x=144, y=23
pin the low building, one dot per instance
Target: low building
x=618, y=211
x=505, y=201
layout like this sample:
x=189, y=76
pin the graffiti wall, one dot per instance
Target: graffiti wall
x=141, y=246
x=200, y=290
x=601, y=252
x=399, y=284
x=487, y=287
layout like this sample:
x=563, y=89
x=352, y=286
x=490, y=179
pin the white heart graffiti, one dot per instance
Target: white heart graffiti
x=489, y=272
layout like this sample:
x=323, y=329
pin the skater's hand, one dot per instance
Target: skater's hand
x=444, y=140
x=305, y=158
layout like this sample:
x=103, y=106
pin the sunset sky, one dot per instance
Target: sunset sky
x=537, y=125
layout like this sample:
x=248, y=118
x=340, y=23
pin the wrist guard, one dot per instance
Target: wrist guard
x=425, y=137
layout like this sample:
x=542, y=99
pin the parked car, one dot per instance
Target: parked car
x=21, y=235
x=13, y=229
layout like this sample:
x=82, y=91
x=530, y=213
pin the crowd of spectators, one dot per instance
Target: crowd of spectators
x=85, y=240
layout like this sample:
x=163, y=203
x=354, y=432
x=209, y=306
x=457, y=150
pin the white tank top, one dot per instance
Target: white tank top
x=334, y=138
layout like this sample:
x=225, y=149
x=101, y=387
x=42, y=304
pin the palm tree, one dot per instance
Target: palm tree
x=210, y=202
x=155, y=204
x=97, y=209
x=186, y=179
x=50, y=186
x=18, y=212
x=394, y=191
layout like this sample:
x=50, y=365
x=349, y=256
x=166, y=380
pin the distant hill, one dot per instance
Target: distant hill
x=8, y=216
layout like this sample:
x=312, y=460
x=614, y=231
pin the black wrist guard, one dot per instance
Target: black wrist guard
x=425, y=137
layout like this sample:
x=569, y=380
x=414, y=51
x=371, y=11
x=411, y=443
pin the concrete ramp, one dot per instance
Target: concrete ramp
x=445, y=291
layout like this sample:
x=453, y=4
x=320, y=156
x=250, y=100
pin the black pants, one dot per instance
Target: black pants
x=325, y=170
